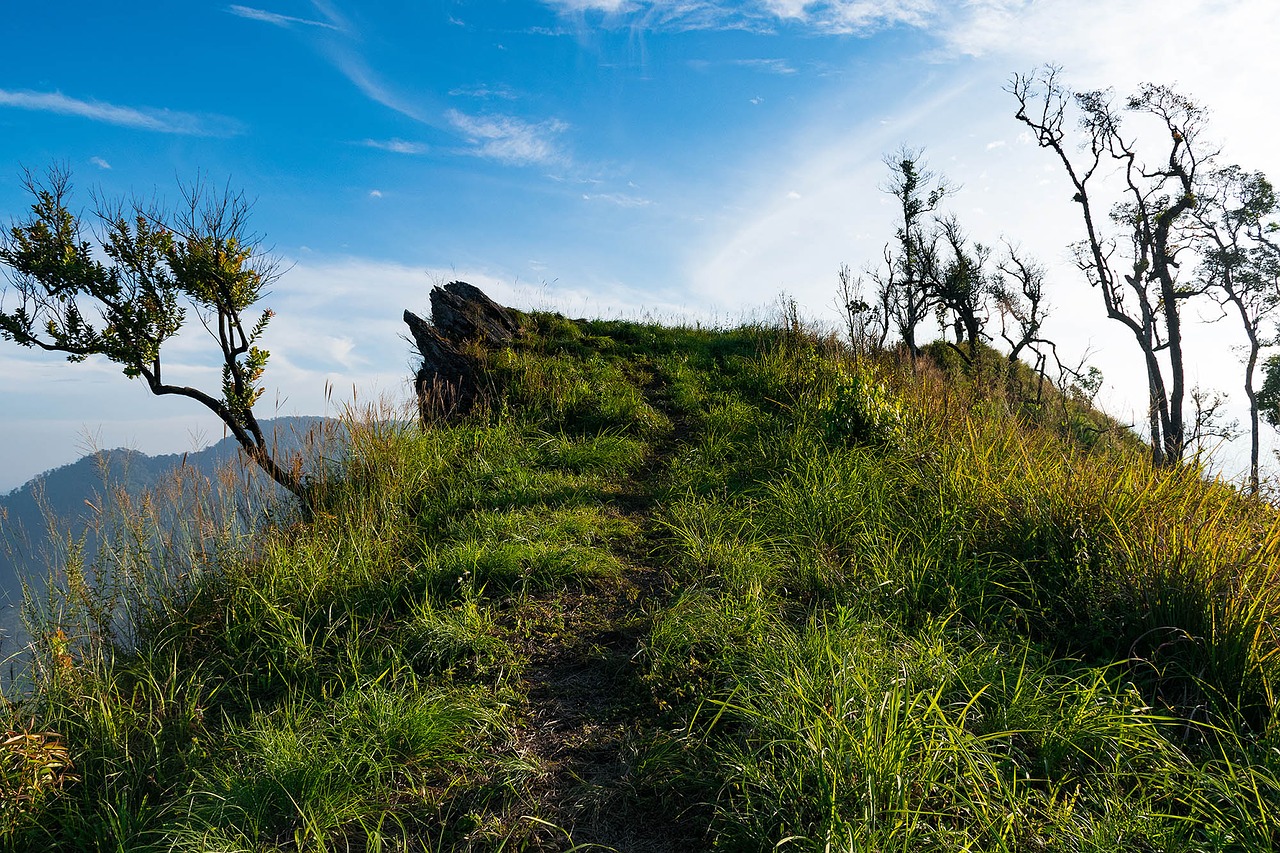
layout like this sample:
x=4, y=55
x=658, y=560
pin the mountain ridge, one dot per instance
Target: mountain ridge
x=72, y=495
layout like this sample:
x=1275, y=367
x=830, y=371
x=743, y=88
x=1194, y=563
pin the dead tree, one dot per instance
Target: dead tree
x=1137, y=270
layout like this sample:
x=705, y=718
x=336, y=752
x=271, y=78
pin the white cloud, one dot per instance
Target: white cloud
x=341, y=350
x=619, y=199
x=484, y=92
x=511, y=140
x=768, y=66
x=372, y=87
x=375, y=193
x=1180, y=42
x=277, y=19
x=1101, y=35
x=159, y=121
x=396, y=146
x=100, y=163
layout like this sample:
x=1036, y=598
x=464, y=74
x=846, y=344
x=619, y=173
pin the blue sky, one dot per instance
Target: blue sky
x=668, y=158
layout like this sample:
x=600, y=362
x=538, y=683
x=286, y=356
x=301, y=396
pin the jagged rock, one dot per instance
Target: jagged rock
x=462, y=312
x=449, y=382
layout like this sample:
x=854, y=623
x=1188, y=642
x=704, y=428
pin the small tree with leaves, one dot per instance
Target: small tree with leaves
x=962, y=286
x=866, y=325
x=125, y=293
x=908, y=282
x=1241, y=268
x=1017, y=290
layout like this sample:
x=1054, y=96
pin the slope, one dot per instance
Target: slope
x=683, y=589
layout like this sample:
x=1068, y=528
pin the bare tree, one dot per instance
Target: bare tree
x=158, y=266
x=866, y=324
x=1139, y=282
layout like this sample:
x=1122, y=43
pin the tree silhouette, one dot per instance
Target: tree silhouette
x=1137, y=269
x=1241, y=267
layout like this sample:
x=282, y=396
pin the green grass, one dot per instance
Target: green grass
x=676, y=589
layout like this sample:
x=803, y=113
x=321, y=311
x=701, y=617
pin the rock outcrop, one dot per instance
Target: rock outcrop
x=449, y=382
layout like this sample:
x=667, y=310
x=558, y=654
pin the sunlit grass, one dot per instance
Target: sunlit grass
x=876, y=607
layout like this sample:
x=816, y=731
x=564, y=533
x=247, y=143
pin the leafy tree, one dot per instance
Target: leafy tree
x=1269, y=393
x=1241, y=267
x=931, y=265
x=962, y=286
x=908, y=282
x=124, y=294
x=1137, y=270
x=867, y=325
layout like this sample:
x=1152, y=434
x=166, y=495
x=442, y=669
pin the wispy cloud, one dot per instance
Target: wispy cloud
x=501, y=92
x=511, y=140
x=159, y=121
x=368, y=82
x=607, y=6
x=857, y=16
x=618, y=199
x=677, y=15
x=100, y=163
x=834, y=16
x=278, y=19
x=767, y=66
x=396, y=146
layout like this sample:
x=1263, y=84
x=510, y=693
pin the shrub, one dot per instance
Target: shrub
x=861, y=409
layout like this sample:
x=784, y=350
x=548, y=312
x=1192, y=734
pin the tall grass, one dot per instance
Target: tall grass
x=1097, y=635
x=877, y=606
x=301, y=686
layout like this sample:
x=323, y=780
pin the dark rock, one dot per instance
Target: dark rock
x=450, y=381
x=462, y=312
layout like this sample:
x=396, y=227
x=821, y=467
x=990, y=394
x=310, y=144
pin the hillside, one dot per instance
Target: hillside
x=73, y=496
x=69, y=493
x=678, y=589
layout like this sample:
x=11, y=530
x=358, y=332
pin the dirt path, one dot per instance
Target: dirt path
x=589, y=712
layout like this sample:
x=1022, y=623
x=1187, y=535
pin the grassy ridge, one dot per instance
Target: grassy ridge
x=681, y=589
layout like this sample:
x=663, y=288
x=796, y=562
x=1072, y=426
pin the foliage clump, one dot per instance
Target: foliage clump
x=862, y=409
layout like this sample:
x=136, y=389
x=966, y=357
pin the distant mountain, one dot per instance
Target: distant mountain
x=73, y=495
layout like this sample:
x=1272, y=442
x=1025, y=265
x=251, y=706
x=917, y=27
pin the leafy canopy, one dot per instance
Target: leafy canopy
x=125, y=293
